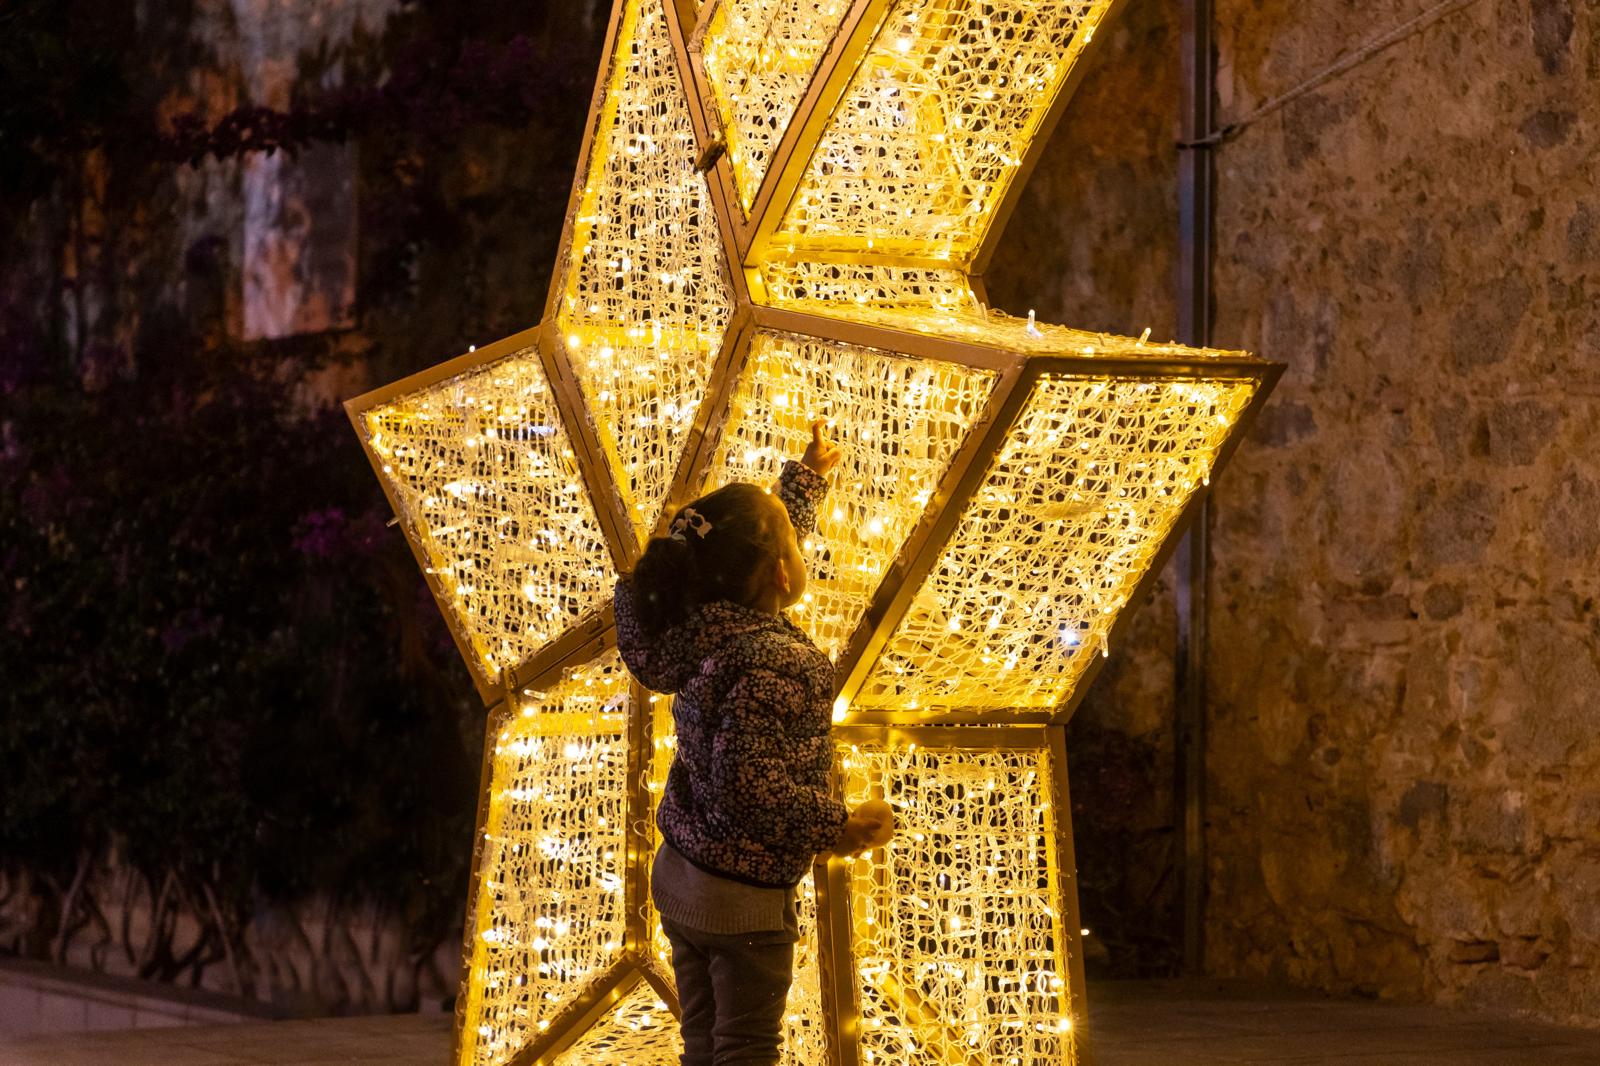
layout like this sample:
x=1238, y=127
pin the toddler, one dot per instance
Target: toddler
x=747, y=806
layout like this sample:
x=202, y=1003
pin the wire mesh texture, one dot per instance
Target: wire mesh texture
x=638, y=1031
x=959, y=947
x=899, y=421
x=933, y=126
x=805, y=1023
x=645, y=298
x=487, y=486
x=549, y=895
x=663, y=746
x=1069, y=516
x=992, y=328
x=854, y=289
x=759, y=56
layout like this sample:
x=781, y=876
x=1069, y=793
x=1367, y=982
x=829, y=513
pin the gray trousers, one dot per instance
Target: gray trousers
x=732, y=988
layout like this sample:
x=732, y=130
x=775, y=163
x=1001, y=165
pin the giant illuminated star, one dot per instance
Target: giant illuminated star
x=782, y=211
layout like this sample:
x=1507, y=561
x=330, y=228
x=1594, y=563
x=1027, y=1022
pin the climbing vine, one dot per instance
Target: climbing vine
x=230, y=702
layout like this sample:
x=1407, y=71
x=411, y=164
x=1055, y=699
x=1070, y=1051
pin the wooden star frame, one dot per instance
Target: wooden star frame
x=783, y=210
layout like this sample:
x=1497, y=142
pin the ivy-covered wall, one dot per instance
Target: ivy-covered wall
x=237, y=749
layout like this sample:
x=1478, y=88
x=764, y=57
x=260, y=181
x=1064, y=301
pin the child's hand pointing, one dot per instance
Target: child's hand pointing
x=821, y=455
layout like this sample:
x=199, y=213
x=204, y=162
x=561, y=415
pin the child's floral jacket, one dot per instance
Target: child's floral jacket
x=747, y=796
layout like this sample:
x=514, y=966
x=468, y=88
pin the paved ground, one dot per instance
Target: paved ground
x=403, y=1040
x=1136, y=1024
x=1209, y=1024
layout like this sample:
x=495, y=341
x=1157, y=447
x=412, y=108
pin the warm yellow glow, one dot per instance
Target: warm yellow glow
x=1006, y=484
x=1068, y=518
x=856, y=288
x=805, y=1023
x=486, y=483
x=933, y=126
x=971, y=323
x=899, y=422
x=644, y=294
x=638, y=1031
x=548, y=915
x=663, y=743
x=956, y=936
x=759, y=56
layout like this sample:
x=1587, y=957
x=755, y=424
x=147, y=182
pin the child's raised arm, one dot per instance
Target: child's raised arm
x=802, y=484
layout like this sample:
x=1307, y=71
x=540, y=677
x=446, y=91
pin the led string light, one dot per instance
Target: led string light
x=645, y=299
x=974, y=324
x=931, y=129
x=805, y=1023
x=486, y=480
x=636, y=1032
x=862, y=288
x=959, y=950
x=759, y=56
x=958, y=931
x=899, y=421
x=550, y=908
x=663, y=746
x=1076, y=503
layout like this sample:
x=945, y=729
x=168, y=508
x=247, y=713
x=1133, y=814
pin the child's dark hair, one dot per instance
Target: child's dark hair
x=722, y=540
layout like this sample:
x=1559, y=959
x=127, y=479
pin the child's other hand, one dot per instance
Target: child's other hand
x=821, y=455
x=879, y=810
x=870, y=825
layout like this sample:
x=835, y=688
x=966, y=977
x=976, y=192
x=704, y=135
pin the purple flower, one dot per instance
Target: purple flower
x=187, y=627
x=322, y=534
x=332, y=534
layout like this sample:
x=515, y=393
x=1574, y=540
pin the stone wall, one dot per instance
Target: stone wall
x=1404, y=683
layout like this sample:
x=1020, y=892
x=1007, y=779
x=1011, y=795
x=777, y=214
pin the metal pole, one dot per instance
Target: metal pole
x=1196, y=206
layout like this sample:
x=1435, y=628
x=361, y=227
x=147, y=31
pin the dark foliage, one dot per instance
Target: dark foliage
x=64, y=88
x=218, y=657
x=222, y=665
